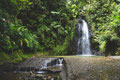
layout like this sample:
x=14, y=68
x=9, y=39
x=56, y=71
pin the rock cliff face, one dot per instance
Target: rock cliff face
x=78, y=38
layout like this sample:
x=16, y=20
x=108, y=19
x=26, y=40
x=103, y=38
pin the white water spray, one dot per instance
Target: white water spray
x=85, y=39
x=82, y=39
x=60, y=62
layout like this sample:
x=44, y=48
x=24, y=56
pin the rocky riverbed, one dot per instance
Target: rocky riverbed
x=73, y=68
x=93, y=68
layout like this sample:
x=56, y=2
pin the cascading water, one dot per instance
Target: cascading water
x=52, y=63
x=82, y=38
x=85, y=39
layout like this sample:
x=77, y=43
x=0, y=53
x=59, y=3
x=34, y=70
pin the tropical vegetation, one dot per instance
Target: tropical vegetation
x=49, y=25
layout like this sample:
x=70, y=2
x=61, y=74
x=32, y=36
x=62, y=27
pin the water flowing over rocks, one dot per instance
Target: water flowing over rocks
x=65, y=68
x=81, y=39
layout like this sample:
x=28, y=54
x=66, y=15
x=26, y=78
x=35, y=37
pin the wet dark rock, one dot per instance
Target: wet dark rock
x=77, y=37
x=35, y=63
x=7, y=67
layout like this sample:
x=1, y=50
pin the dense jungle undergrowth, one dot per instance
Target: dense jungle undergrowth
x=48, y=26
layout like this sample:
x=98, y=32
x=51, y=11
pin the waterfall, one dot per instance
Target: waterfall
x=52, y=63
x=82, y=38
x=60, y=62
x=85, y=39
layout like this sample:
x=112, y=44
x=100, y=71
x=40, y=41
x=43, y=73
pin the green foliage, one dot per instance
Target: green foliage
x=16, y=57
x=33, y=25
x=4, y=57
x=62, y=49
x=40, y=25
x=13, y=36
x=74, y=7
x=103, y=17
